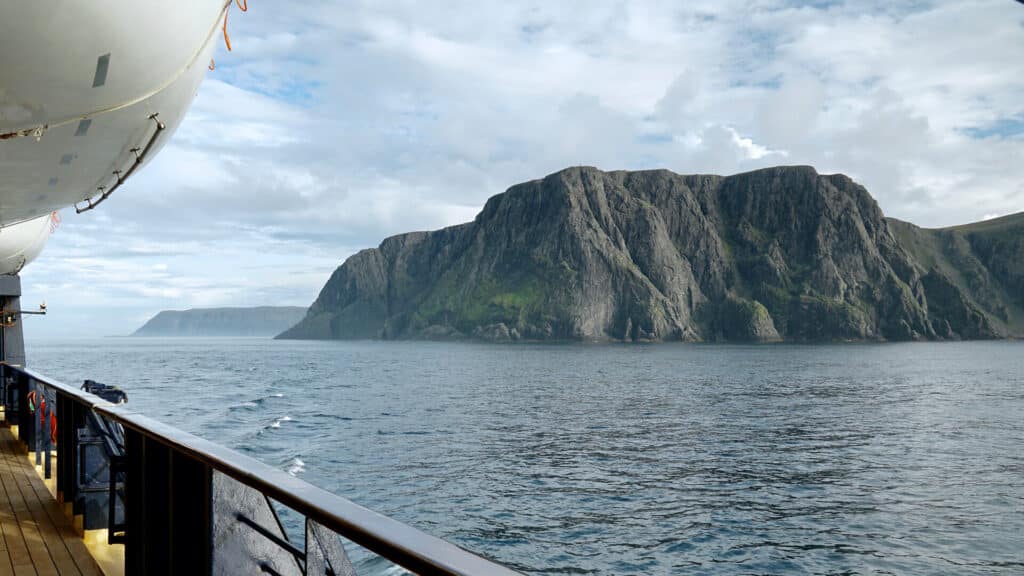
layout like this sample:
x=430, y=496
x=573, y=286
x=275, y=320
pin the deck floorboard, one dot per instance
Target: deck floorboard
x=37, y=538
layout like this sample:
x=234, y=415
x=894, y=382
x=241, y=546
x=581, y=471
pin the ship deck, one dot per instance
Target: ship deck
x=37, y=537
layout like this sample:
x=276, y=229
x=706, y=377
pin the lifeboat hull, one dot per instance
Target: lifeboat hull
x=83, y=86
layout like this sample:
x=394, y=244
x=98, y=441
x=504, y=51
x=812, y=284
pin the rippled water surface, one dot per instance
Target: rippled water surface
x=562, y=459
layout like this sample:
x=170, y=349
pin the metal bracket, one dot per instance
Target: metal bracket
x=119, y=176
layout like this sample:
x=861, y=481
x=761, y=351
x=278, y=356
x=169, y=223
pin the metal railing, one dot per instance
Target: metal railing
x=191, y=506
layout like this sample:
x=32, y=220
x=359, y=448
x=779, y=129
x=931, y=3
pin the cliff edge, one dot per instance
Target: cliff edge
x=775, y=254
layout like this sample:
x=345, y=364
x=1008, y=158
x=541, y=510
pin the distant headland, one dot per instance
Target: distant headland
x=258, y=321
x=779, y=254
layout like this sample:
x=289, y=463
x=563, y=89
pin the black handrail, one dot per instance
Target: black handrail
x=389, y=538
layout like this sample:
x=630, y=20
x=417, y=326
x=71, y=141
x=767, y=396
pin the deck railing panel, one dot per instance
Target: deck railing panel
x=168, y=492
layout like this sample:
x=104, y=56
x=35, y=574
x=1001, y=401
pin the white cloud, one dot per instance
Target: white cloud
x=334, y=124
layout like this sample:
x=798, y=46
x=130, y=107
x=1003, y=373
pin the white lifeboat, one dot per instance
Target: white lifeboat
x=21, y=243
x=89, y=92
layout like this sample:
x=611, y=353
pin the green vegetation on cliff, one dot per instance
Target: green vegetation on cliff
x=775, y=254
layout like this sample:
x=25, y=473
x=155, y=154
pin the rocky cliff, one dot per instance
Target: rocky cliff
x=776, y=254
x=258, y=321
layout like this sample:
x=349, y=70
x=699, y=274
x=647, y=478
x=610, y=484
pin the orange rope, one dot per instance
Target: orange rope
x=227, y=39
x=243, y=5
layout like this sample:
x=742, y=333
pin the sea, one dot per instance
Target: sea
x=621, y=459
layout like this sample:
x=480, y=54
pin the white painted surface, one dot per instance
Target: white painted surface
x=159, y=53
x=21, y=243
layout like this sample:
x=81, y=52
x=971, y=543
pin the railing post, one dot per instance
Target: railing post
x=70, y=418
x=36, y=388
x=78, y=418
x=25, y=428
x=63, y=423
x=47, y=438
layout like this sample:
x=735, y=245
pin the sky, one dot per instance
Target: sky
x=333, y=125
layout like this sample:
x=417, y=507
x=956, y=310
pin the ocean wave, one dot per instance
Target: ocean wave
x=296, y=467
x=333, y=417
x=263, y=399
x=277, y=423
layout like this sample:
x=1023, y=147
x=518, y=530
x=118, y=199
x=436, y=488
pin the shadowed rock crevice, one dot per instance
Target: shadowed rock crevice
x=775, y=254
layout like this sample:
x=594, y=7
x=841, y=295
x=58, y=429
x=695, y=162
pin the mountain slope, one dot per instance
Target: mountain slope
x=776, y=254
x=259, y=321
x=984, y=260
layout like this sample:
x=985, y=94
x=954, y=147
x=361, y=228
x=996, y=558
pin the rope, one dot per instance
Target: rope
x=243, y=5
x=227, y=39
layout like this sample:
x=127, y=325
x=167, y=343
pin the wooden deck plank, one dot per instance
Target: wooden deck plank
x=10, y=534
x=27, y=554
x=40, y=556
x=18, y=555
x=51, y=534
x=38, y=539
x=73, y=543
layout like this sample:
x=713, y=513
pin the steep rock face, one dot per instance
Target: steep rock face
x=817, y=249
x=974, y=275
x=776, y=254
